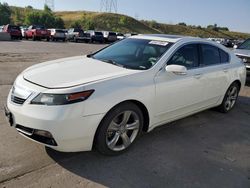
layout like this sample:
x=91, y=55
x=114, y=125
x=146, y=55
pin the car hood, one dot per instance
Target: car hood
x=242, y=52
x=70, y=72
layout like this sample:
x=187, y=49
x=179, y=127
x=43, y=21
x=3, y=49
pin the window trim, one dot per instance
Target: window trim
x=198, y=52
x=179, y=47
x=229, y=57
x=199, y=43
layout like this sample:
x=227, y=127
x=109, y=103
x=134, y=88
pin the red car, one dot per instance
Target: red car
x=37, y=32
x=13, y=30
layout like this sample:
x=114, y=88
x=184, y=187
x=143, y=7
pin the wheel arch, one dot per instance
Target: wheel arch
x=238, y=82
x=141, y=106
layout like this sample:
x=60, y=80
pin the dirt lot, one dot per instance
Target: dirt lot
x=208, y=149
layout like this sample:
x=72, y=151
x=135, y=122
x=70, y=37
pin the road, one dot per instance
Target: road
x=206, y=150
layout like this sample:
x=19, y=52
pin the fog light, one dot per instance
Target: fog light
x=43, y=133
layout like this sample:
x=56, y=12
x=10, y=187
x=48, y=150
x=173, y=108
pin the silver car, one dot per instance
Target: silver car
x=243, y=52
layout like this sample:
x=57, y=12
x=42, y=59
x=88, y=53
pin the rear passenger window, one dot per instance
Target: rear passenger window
x=210, y=55
x=224, y=57
x=187, y=56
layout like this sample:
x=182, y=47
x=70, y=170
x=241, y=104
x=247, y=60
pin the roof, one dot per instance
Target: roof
x=161, y=37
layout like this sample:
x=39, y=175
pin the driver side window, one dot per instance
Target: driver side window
x=187, y=56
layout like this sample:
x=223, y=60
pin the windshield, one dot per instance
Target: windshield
x=112, y=34
x=13, y=27
x=59, y=31
x=137, y=54
x=98, y=33
x=245, y=45
x=39, y=27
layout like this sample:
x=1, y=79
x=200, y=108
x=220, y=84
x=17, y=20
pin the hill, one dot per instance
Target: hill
x=126, y=24
x=123, y=23
x=105, y=21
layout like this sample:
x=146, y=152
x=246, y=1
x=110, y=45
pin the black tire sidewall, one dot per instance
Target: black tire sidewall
x=222, y=107
x=100, y=139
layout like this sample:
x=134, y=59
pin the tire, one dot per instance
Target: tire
x=230, y=98
x=119, y=129
x=33, y=37
x=47, y=39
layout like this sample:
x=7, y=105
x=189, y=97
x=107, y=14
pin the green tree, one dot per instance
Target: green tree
x=29, y=7
x=32, y=17
x=76, y=24
x=182, y=23
x=17, y=17
x=46, y=18
x=5, y=14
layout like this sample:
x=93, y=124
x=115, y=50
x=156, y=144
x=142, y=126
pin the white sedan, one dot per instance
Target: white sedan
x=107, y=99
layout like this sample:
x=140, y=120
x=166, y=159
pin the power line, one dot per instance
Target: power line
x=109, y=6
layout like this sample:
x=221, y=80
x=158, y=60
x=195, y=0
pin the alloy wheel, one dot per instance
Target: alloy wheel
x=122, y=130
x=232, y=95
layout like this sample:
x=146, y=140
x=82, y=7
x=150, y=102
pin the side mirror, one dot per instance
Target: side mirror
x=176, y=69
x=235, y=46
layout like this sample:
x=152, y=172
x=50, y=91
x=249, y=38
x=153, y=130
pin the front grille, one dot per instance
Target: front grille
x=17, y=100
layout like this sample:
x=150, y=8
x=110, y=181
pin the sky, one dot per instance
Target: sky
x=233, y=14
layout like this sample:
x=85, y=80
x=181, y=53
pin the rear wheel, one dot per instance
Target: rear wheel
x=230, y=98
x=119, y=129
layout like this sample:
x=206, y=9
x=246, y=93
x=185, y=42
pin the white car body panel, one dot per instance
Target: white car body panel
x=72, y=72
x=166, y=96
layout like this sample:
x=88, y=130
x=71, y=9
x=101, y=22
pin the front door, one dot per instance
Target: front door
x=177, y=95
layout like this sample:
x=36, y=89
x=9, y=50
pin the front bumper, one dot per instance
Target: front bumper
x=70, y=130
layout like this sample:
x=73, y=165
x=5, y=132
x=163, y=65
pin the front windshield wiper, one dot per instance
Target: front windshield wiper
x=90, y=55
x=110, y=61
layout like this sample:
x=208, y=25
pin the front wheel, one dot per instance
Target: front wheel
x=230, y=98
x=119, y=129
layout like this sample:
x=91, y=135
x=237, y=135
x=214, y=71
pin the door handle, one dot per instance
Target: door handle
x=198, y=75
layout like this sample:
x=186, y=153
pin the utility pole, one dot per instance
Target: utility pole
x=109, y=6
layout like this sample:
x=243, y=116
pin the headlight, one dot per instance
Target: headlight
x=61, y=99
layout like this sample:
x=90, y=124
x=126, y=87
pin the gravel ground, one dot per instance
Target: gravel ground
x=208, y=149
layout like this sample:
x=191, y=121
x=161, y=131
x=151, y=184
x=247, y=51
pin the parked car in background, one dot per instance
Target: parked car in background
x=23, y=30
x=57, y=34
x=96, y=36
x=228, y=43
x=37, y=32
x=120, y=36
x=77, y=35
x=1, y=28
x=105, y=100
x=13, y=30
x=130, y=34
x=109, y=36
x=243, y=52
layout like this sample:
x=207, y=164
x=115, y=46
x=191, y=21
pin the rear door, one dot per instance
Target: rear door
x=215, y=67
